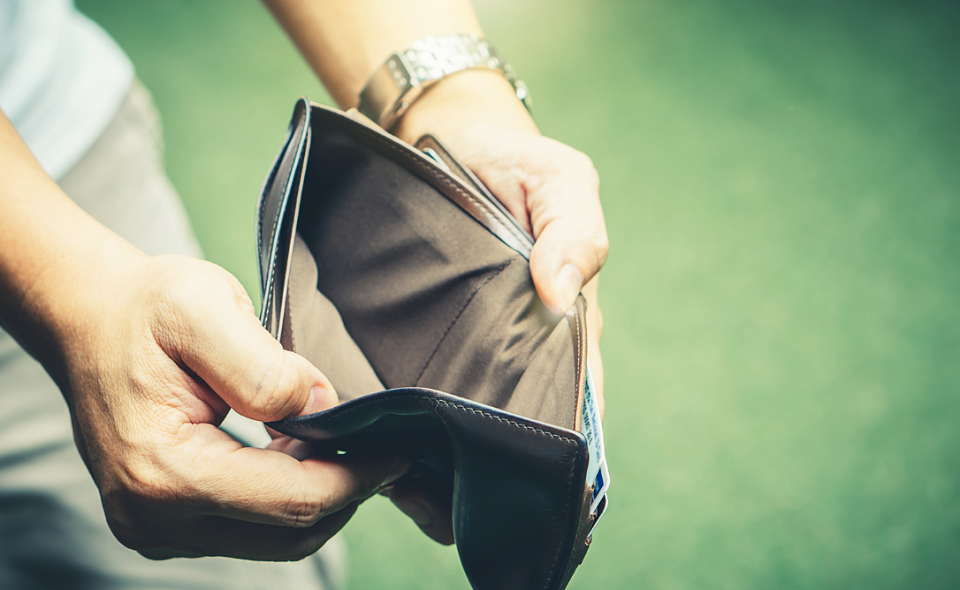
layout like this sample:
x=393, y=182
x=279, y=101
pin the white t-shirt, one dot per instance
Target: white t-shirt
x=62, y=79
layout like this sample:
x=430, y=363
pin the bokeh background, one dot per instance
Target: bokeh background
x=781, y=181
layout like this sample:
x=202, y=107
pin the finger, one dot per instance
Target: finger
x=567, y=253
x=261, y=542
x=218, y=338
x=270, y=487
x=433, y=519
x=298, y=449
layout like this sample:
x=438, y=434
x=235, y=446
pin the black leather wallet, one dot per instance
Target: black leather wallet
x=406, y=282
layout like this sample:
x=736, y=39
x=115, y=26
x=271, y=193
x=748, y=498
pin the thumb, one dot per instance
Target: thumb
x=565, y=256
x=220, y=339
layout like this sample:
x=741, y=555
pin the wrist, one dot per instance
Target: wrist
x=461, y=100
x=63, y=292
x=54, y=258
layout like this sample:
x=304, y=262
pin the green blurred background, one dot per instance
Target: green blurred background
x=782, y=187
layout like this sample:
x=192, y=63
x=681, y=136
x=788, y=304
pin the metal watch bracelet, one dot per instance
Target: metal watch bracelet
x=400, y=81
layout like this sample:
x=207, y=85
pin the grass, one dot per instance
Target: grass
x=782, y=189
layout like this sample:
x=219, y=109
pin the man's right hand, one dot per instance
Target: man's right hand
x=150, y=354
x=161, y=350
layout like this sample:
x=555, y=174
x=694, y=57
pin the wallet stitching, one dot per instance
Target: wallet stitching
x=265, y=192
x=456, y=318
x=578, y=353
x=360, y=406
x=276, y=225
x=289, y=324
x=284, y=201
x=565, y=439
x=572, y=477
x=271, y=279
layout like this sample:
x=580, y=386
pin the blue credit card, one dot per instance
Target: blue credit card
x=592, y=429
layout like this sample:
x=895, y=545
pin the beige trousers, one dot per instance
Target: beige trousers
x=53, y=533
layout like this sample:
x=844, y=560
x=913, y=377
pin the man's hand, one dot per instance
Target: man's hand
x=160, y=357
x=549, y=187
x=150, y=354
x=552, y=190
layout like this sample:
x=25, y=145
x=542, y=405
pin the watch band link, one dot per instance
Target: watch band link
x=405, y=75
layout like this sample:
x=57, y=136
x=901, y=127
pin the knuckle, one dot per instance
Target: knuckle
x=178, y=279
x=601, y=245
x=586, y=164
x=272, y=397
x=581, y=163
x=593, y=173
x=305, y=510
x=182, y=296
x=145, y=482
x=193, y=285
x=141, y=488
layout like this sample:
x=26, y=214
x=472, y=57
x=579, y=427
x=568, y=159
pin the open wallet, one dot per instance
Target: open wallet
x=402, y=278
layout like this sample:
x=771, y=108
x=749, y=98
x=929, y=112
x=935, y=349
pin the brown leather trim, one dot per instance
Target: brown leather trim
x=577, y=316
x=270, y=317
x=290, y=226
x=482, y=192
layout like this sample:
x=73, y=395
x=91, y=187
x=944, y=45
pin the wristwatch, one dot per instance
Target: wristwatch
x=405, y=75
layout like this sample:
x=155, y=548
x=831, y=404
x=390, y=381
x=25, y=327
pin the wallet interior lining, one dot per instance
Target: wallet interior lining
x=393, y=285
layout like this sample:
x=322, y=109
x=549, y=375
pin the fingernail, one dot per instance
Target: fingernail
x=569, y=282
x=417, y=511
x=320, y=399
x=311, y=399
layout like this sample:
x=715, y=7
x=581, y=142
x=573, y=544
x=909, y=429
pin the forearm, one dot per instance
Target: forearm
x=50, y=251
x=345, y=41
x=551, y=189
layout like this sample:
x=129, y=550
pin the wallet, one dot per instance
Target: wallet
x=401, y=277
